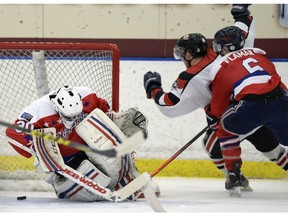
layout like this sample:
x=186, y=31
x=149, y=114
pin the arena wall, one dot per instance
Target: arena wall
x=140, y=30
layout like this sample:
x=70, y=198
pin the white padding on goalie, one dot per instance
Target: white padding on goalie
x=67, y=189
x=98, y=128
x=100, y=133
x=48, y=152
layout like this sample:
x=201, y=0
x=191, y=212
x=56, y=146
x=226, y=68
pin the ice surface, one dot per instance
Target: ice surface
x=177, y=195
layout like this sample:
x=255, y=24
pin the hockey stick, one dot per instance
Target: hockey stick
x=151, y=198
x=125, y=148
x=161, y=167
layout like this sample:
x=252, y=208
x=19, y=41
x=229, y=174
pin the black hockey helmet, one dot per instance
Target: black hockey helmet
x=195, y=43
x=231, y=37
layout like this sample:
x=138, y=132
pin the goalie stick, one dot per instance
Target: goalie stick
x=126, y=147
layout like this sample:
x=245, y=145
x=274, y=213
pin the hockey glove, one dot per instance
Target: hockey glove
x=239, y=10
x=152, y=80
x=213, y=123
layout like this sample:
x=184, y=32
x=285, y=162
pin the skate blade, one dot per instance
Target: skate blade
x=247, y=189
x=235, y=192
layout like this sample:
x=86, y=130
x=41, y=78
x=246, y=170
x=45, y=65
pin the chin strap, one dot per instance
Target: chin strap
x=189, y=61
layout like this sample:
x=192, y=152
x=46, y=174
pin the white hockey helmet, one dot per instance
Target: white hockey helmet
x=68, y=104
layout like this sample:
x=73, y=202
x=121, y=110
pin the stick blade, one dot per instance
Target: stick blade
x=152, y=200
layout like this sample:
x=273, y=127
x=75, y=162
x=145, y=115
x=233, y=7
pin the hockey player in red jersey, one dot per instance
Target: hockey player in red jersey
x=191, y=89
x=65, y=110
x=247, y=93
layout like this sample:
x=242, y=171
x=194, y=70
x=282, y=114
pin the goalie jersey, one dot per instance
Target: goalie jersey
x=41, y=114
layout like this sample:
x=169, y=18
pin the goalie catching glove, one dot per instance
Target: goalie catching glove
x=130, y=121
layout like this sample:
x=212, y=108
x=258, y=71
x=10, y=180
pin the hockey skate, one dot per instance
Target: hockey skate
x=233, y=184
x=245, y=184
x=236, y=181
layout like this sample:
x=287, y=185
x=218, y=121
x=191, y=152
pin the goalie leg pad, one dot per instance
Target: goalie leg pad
x=67, y=189
x=48, y=152
x=134, y=172
x=100, y=133
x=131, y=174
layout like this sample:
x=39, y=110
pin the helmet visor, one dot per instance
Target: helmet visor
x=178, y=52
x=216, y=47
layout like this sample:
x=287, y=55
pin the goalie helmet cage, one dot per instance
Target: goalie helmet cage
x=29, y=70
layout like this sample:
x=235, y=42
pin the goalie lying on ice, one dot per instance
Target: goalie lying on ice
x=79, y=115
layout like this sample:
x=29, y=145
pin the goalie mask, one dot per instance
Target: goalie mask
x=68, y=104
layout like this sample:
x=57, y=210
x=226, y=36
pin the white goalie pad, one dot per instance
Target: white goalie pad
x=51, y=161
x=98, y=128
x=99, y=132
x=48, y=153
x=67, y=189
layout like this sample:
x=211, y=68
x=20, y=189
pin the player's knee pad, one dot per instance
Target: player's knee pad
x=130, y=121
x=67, y=189
x=99, y=132
x=279, y=155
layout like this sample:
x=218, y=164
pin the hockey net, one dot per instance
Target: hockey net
x=30, y=70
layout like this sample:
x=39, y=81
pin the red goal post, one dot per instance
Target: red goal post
x=29, y=70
